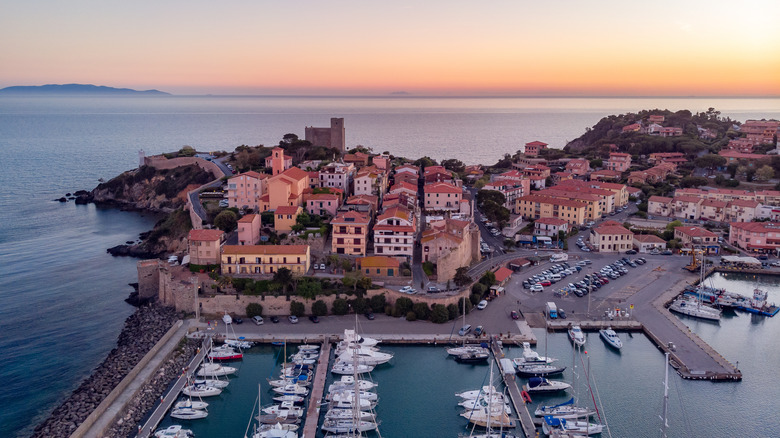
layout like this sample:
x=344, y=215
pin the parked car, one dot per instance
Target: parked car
x=274, y=319
x=631, y=251
x=545, y=282
x=407, y=290
x=433, y=289
x=322, y=266
x=369, y=316
x=561, y=313
x=293, y=319
x=478, y=331
x=537, y=288
x=666, y=252
x=314, y=319
x=466, y=329
x=514, y=314
x=482, y=305
x=237, y=319
x=257, y=320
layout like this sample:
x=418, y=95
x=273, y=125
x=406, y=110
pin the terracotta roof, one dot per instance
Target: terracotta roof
x=536, y=143
x=408, y=166
x=205, y=235
x=264, y=249
x=441, y=188
x=619, y=154
x=685, y=198
x=503, y=273
x=248, y=218
x=295, y=173
x=323, y=197
x=612, y=223
x=551, y=200
x=611, y=229
x=714, y=203
x=662, y=199
x=404, y=185
x=378, y=262
x=252, y=174
x=695, y=232
x=648, y=238
x=356, y=218
x=757, y=227
x=287, y=209
x=551, y=221
x=399, y=212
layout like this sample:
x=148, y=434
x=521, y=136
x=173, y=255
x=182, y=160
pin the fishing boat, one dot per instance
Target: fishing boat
x=174, y=431
x=348, y=368
x=576, y=335
x=531, y=357
x=238, y=343
x=538, y=370
x=566, y=410
x=611, y=338
x=691, y=306
x=215, y=370
x=573, y=426
x=473, y=357
x=540, y=384
x=309, y=347
x=188, y=413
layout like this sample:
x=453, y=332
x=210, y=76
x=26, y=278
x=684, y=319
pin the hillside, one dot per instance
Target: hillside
x=77, y=89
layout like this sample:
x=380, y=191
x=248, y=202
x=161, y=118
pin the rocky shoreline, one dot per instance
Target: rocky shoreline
x=142, y=330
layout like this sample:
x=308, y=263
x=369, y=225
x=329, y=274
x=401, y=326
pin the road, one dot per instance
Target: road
x=195, y=194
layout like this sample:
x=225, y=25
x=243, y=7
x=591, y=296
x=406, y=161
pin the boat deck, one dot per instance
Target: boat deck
x=526, y=420
x=317, y=391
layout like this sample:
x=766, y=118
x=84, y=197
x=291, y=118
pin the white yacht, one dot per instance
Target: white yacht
x=188, y=403
x=564, y=410
x=348, y=414
x=576, y=335
x=238, y=343
x=277, y=430
x=340, y=398
x=174, y=431
x=348, y=403
x=531, y=357
x=368, y=395
x=195, y=390
x=476, y=393
x=347, y=426
x=284, y=409
x=692, y=306
x=483, y=417
x=215, y=370
x=291, y=390
x=189, y=413
x=611, y=338
x=365, y=356
x=467, y=349
x=348, y=382
x=216, y=383
x=289, y=398
x=540, y=384
x=552, y=424
x=347, y=368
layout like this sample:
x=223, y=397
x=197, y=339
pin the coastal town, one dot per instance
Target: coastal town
x=302, y=237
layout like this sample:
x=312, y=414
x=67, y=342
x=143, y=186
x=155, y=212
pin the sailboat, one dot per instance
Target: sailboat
x=270, y=429
x=491, y=413
x=574, y=426
x=464, y=350
x=566, y=410
x=694, y=306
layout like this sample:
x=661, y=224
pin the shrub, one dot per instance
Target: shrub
x=453, y=311
x=340, y=306
x=319, y=308
x=403, y=305
x=378, y=303
x=297, y=308
x=360, y=305
x=440, y=314
x=411, y=316
x=475, y=299
x=479, y=289
x=469, y=306
x=254, y=309
x=422, y=310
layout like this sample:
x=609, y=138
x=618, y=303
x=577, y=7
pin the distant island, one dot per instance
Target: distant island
x=76, y=89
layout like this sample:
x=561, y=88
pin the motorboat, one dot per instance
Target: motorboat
x=188, y=403
x=348, y=414
x=531, y=357
x=348, y=382
x=292, y=389
x=692, y=306
x=300, y=380
x=348, y=426
x=368, y=395
x=216, y=383
x=480, y=403
x=289, y=398
x=281, y=418
x=349, y=403
x=277, y=430
x=189, y=413
x=474, y=357
x=539, y=370
x=611, y=338
x=174, y=431
x=225, y=353
x=467, y=349
x=365, y=356
x=483, y=417
x=351, y=337
x=348, y=368
x=476, y=393
x=195, y=390
x=286, y=408
x=564, y=410
x=339, y=397
x=215, y=370
x=309, y=347
x=238, y=343
x=576, y=335
x=540, y=384
x=551, y=424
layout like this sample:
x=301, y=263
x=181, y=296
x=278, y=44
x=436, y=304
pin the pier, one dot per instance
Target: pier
x=525, y=418
x=170, y=398
x=317, y=391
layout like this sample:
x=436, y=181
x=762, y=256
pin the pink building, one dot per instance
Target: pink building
x=618, y=161
x=322, y=204
x=246, y=189
x=394, y=233
x=442, y=196
x=755, y=236
x=698, y=236
x=204, y=246
x=278, y=162
x=533, y=148
x=249, y=229
x=578, y=167
x=550, y=226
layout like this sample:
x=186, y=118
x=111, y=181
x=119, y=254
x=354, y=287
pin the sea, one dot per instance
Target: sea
x=61, y=294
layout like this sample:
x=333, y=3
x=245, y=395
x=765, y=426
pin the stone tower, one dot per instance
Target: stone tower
x=337, y=134
x=277, y=161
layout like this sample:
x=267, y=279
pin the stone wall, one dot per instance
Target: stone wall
x=160, y=162
x=466, y=253
x=148, y=278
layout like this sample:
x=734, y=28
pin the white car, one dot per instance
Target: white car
x=537, y=288
x=257, y=320
x=407, y=290
x=482, y=304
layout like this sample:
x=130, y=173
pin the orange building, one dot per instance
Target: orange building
x=285, y=217
x=286, y=188
x=533, y=148
x=249, y=229
x=350, y=233
x=265, y=259
x=203, y=246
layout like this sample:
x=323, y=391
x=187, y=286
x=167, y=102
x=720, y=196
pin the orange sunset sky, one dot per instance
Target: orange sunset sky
x=421, y=47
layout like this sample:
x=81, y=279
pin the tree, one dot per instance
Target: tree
x=453, y=311
x=254, y=309
x=462, y=277
x=749, y=174
x=403, y=305
x=422, y=311
x=732, y=168
x=439, y=314
x=297, y=308
x=359, y=305
x=765, y=173
x=454, y=165
x=495, y=213
x=490, y=195
x=693, y=181
x=319, y=308
x=425, y=162
x=478, y=289
x=378, y=303
x=596, y=163
x=289, y=138
x=284, y=277
x=340, y=306
x=672, y=225
x=226, y=221
x=468, y=304
x=309, y=289
x=475, y=299
x=488, y=278
x=710, y=161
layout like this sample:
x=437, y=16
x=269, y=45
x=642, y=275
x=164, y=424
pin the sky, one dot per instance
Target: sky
x=435, y=47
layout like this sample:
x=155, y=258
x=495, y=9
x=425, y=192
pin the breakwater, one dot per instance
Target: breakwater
x=141, y=332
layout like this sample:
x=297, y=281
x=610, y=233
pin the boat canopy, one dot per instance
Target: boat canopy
x=570, y=402
x=533, y=382
x=554, y=421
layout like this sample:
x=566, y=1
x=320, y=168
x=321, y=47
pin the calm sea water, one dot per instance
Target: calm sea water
x=61, y=295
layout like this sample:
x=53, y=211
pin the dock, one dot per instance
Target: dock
x=317, y=391
x=526, y=420
x=170, y=398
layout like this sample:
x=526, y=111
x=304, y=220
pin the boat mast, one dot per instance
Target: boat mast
x=664, y=423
